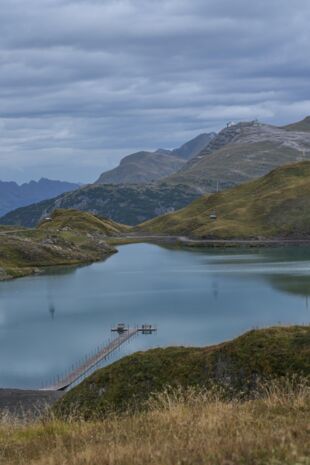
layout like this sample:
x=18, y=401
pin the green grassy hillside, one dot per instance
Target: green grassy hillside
x=79, y=221
x=68, y=237
x=237, y=365
x=277, y=205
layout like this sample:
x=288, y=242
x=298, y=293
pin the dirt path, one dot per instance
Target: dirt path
x=11, y=231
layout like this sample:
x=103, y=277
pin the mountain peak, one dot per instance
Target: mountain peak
x=191, y=148
x=143, y=167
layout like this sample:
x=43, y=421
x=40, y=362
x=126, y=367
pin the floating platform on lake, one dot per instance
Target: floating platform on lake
x=121, y=328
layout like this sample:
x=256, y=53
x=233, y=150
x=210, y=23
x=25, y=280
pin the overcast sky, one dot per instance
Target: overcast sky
x=84, y=82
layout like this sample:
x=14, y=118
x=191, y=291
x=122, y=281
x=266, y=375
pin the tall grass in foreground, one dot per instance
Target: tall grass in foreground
x=178, y=428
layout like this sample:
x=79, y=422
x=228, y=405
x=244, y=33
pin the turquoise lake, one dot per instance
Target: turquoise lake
x=195, y=297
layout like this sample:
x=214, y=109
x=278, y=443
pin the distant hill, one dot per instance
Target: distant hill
x=303, y=126
x=127, y=204
x=277, y=205
x=143, y=167
x=242, y=152
x=13, y=196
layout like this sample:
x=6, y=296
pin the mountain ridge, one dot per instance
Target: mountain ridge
x=241, y=152
x=144, y=166
x=141, y=168
x=13, y=195
x=128, y=204
x=302, y=126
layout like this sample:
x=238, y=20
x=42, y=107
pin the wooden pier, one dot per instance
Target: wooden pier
x=124, y=334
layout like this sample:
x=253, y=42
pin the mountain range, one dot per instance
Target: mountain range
x=127, y=204
x=128, y=192
x=239, y=153
x=13, y=195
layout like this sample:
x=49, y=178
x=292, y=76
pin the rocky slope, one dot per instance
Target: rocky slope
x=242, y=152
x=13, y=196
x=143, y=167
x=68, y=237
x=277, y=205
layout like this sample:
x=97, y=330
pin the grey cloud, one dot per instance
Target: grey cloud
x=84, y=82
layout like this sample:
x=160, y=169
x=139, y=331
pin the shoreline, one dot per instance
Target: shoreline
x=39, y=271
x=191, y=242
x=178, y=241
x=26, y=403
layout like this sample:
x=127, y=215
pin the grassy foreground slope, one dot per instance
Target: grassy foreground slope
x=190, y=429
x=186, y=423
x=69, y=237
x=277, y=205
x=238, y=365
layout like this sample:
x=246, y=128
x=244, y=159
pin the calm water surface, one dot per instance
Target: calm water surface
x=49, y=322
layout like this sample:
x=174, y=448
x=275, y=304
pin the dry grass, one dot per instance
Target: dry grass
x=179, y=427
